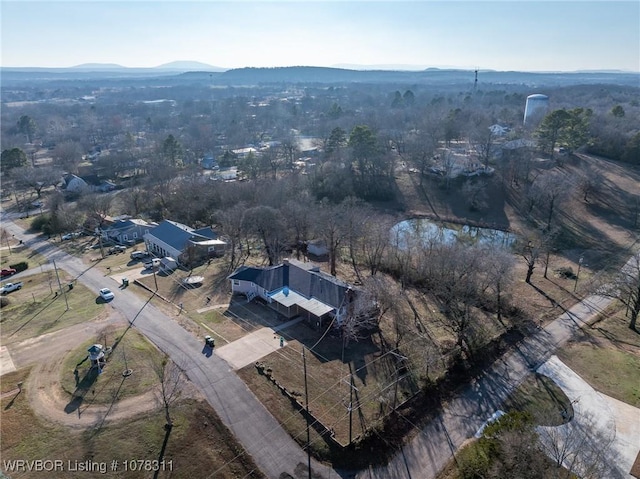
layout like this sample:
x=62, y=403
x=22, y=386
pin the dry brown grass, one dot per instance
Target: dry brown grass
x=199, y=445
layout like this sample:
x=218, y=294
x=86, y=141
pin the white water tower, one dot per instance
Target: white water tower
x=535, y=109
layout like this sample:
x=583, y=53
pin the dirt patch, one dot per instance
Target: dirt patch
x=46, y=398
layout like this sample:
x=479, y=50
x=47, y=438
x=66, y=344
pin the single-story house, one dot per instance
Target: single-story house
x=294, y=288
x=209, y=163
x=75, y=184
x=242, y=153
x=187, y=245
x=124, y=231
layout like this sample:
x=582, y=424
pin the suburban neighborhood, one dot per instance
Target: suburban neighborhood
x=318, y=272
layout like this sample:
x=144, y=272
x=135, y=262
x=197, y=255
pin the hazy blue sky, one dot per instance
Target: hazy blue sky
x=502, y=35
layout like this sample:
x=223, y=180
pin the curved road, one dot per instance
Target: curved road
x=270, y=446
x=273, y=450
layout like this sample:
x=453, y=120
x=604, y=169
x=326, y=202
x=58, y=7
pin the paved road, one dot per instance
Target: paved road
x=430, y=450
x=260, y=434
x=271, y=447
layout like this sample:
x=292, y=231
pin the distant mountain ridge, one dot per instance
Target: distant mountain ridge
x=182, y=65
x=178, y=72
x=174, y=67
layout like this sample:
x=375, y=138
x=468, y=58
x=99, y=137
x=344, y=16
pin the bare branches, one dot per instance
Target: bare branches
x=170, y=378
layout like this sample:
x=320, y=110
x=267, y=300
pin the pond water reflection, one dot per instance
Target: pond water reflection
x=428, y=231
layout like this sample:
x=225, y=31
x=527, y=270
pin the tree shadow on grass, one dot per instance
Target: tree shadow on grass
x=38, y=313
x=83, y=386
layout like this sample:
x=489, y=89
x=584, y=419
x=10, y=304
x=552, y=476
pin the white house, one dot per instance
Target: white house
x=294, y=288
x=185, y=244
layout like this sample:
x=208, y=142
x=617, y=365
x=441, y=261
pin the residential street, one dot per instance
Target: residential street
x=430, y=451
x=260, y=434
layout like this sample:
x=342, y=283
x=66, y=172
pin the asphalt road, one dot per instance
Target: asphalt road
x=273, y=450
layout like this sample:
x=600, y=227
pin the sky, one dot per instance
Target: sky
x=502, y=35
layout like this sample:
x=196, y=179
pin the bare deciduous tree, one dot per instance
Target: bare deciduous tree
x=625, y=287
x=267, y=223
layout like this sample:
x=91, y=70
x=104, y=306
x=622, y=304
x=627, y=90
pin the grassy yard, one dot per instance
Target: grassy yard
x=607, y=356
x=330, y=368
x=130, y=350
x=14, y=253
x=39, y=308
x=608, y=370
x=542, y=398
x=199, y=444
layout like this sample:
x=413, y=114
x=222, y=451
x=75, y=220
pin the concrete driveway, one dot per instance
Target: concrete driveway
x=602, y=436
x=254, y=346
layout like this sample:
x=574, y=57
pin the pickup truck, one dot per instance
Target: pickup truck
x=8, y=287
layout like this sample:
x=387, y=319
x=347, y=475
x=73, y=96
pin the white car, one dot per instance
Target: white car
x=69, y=236
x=106, y=294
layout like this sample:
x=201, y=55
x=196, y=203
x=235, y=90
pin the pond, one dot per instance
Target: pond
x=449, y=233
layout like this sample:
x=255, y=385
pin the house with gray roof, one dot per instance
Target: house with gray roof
x=125, y=231
x=294, y=288
x=184, y=244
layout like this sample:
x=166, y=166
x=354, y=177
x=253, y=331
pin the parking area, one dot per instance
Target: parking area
x=254, y=346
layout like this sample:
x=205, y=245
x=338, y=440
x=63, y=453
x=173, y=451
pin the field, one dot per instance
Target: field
x=607, y=356
x=199, y=443
x=39, y=307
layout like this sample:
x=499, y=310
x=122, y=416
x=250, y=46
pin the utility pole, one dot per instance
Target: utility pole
x=306, y=399
x=575, y=285
x=352, y=387
x=60, y=285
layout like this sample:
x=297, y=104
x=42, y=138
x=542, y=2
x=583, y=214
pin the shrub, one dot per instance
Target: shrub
x=566, y=272
x=40, y=223
x=474, y=461
x=19, y=267
x=4, y=301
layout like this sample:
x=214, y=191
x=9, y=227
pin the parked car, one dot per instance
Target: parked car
x=152, y=263
x=8, y=287
x=106, y=294
x=69, y=236
x=139, y=254
x=7, y=271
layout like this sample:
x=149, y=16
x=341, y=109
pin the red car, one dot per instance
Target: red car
x=7, y=271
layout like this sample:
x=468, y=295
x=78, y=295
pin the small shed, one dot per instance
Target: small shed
x=317, y=248
x=168, y=264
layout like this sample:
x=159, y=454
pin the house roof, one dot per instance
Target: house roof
x=177, y=235
x=69, y=177
x=301, y=278
x=126, y=224
x=206, y=232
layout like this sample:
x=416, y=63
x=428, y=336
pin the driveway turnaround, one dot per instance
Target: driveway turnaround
x=592, y=440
